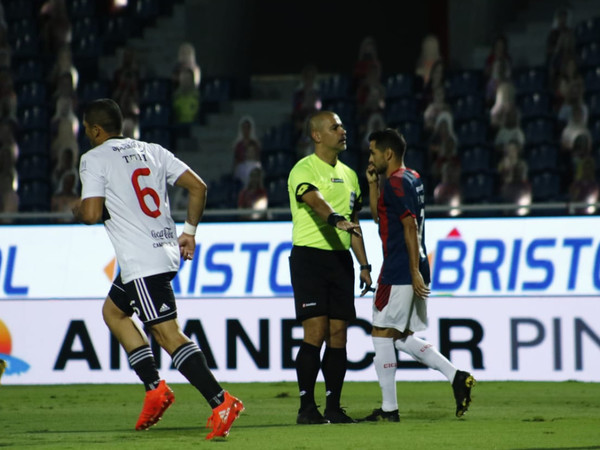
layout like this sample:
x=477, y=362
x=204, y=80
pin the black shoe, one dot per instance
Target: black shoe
x=338, y=416
x=462, y=384
x=381, y=415
x=310, y=416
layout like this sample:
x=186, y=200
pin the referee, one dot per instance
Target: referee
x=325, y=200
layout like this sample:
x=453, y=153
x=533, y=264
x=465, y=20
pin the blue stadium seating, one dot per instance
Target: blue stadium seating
x=335, y=87
x=401, y=110
x=531, y=80
x=539, y=131
x=542, y=158
x=464, y=83
x=399, y=85
x=588, y=31
x=475, y=160
x=155, y=90
x=534, y=105
x=473, y=132
x=478, y=188
x=468, y=107
x=545, y=186
x=31, y=93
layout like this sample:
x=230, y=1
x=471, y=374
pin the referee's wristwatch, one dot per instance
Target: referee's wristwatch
x=365, y=267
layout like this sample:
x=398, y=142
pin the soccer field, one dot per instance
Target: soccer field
x=503, y=415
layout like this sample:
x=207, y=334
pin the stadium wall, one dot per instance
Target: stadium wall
x=513, y=299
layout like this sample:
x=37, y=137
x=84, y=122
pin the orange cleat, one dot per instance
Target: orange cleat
x=223, y=416
x=155, y=404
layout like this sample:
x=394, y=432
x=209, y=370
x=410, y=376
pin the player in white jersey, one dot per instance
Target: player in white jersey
x=124, y=184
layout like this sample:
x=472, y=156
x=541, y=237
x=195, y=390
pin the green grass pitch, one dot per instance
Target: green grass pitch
x=503, y=415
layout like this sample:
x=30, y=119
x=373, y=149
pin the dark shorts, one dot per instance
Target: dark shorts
x=323, y=283
x=151, y=298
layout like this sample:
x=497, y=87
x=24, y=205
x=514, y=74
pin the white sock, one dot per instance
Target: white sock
x=385, y=366
x=426, y=354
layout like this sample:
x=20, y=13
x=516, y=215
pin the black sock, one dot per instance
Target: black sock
x=307, y=369
x=142, y=361
x=334, y=371
x=190, y=361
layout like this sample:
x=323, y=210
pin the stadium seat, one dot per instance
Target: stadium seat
x=33, y=168
x=539, y=131
x=26, y=45
x=31, y=93
x=589, y=55
x=592, y=80
x=19, y=9
x=34, y=142
x=91, y=90
x=414, y=158
x=475, y=160
x=118, y=29
x=401, y=110
x=473, y=132
x=34, y=118
x=277, y=192
x=156, y=90
x=155, y=115
x=588, y=31
x=34, y=196
x=160, y=136
x=335, y=87
x=545, y=186
x=464, y=83
x=534, y=105
x=399, y=85
x=477, y=188
x=468, y=107
x=81, y=9
x=345, y=109
x=531, y=80
x=278, y=164
x=411, y=132
x=31, y=69
x=84, y=26
x=542, y=158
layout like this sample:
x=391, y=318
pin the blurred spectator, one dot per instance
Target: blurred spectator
x=569, y=82
x=186, y=99
x=576, y=127
x=64, y=138
x=504, y=104
x=126, y=84
x=367, y=57
x=560, y=44
x=430, y=54
x=63, y=64
x=67, y=161
x=437, y=106
x=514, y=181
x=306, y=98
x=435, y=82
x=443, y=145
x=245, y=167
x=55, y=26
x=370, y=97
x=8, y=97
x=131, y=129
x=254, y=196
x=66, y=196
x=64, y=88
x=246, y=137
x=5, y=50
x=376, y=122
x=497, y=68
x=573, y=100
x=510, y=131
x=447, y=192
x=186, y=59
x=64, y=111
x=8, y=143
x=9, y=200
x=584, y=187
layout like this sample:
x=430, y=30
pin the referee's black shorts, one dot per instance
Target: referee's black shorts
x=323, y=283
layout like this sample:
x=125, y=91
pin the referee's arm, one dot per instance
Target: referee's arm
x=315, y=200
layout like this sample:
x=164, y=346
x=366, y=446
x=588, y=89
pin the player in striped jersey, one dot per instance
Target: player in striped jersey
x=400, y=304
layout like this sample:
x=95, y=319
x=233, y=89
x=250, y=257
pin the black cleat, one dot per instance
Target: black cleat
x=461, y=385
x=379, y=415
x=338, y=416
x=310, y=416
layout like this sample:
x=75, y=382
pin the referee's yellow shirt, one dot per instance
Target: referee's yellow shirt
x=339, y=186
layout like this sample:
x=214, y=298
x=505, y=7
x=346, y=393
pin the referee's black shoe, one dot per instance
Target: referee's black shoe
x=461, y=385
x=338, y=415
x=310, y=416
x=381, y=415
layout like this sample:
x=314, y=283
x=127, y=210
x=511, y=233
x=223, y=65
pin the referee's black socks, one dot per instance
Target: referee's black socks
x=308, y=362
x=334, y=371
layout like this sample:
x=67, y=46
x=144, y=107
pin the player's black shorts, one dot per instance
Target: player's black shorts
x=323, y=283
x=151, y=298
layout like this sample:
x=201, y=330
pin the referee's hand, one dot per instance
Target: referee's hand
x=350, y=227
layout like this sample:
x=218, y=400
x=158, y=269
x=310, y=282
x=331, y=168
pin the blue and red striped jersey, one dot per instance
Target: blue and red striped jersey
x=402, y=195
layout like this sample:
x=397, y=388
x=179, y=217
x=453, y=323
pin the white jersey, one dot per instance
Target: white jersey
x=132, y=176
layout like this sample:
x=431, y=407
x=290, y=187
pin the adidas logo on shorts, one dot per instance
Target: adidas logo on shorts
x=164, y=308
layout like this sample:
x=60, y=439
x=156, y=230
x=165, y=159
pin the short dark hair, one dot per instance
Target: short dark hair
x=105, y=113
x=389, y=138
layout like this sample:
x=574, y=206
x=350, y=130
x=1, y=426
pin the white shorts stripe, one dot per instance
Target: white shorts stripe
x=145, y=299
